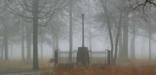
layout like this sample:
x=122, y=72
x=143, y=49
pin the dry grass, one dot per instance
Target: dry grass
x=18, y=66
x=10, y=66
x=109, y=70
x=133, y=68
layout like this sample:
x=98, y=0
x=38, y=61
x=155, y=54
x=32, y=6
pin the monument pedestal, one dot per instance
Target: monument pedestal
x=83, y=56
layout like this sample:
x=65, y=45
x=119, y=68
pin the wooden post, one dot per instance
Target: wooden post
x=108, y=57
x=56, y=57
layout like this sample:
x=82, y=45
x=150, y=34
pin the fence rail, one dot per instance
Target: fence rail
x=96, y=57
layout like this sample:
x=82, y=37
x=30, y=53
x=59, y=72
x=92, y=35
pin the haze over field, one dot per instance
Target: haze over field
x=34, y=32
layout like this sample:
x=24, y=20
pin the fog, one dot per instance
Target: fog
x=32, y=31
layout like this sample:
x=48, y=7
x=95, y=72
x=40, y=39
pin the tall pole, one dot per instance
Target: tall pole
x=150, y=36
x=70, y=32
x=83, y=42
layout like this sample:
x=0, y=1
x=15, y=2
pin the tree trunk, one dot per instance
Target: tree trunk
x=109, y=28
x=23, y=44
x=150, y=36
x=133, y=43
x=124, y=52
x=120, y=45
x=10, y=49
x=41, y=46
x=35, y=14
x=70, y=33
x=123, y=55
x=28, y=39
x=90, y=44
x=2, y=50
x=6, y=47
x=5, y=41
x=117, y=38
x=56, y=48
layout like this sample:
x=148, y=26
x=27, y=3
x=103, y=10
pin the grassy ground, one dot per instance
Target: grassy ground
x=109, y=70
x=139, y=67
x=19, y=66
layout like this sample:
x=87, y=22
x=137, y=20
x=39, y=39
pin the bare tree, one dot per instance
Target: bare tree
x=109, y=28
x=70, y=31
x=133, y=41
x=41, y=12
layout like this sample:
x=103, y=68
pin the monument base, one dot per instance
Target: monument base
x=83, y=56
